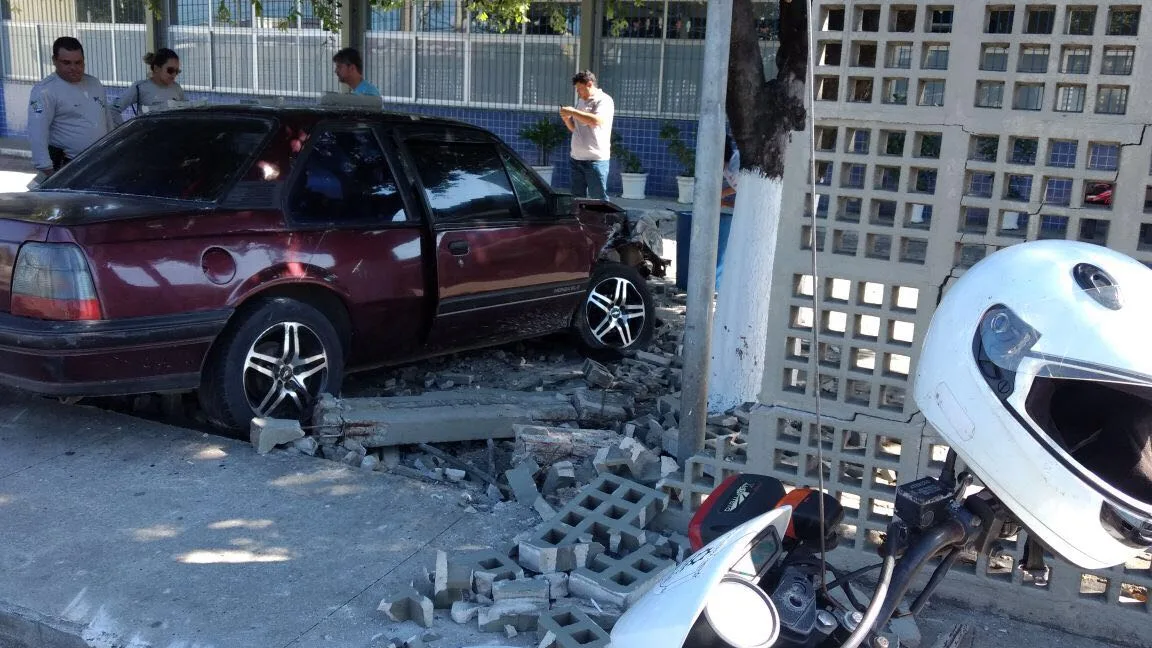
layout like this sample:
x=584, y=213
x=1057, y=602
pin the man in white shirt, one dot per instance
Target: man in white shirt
x=590, y=122
x=67, y=111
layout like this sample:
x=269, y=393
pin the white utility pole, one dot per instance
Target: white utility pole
x=705, y=230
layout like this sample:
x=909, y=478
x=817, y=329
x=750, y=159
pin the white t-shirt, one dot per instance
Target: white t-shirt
x=594, y=142
x=71, y=116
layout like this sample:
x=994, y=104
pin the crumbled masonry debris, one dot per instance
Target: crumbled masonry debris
x=585, y=446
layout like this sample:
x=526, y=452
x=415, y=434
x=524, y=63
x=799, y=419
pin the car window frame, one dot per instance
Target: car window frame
x=507, y=155
x=451, y=134
x=291, y=216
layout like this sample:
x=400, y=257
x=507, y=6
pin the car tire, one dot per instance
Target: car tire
x=274, y=360
x=617, y=312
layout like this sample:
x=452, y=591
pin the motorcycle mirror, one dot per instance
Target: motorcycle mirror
x=738, y=614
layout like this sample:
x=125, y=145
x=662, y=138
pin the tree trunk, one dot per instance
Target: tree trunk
x=763, y=114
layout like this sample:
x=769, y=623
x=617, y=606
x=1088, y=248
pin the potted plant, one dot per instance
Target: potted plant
x=686, y=183
x=633, y=179
x=546, y=134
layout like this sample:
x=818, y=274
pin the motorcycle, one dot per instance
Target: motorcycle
x=756, y=579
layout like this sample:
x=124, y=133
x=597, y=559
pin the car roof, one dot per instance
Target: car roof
x=306, y=114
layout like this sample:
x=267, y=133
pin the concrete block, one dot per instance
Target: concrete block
x=670, y=442
x=519, y=613
x=557, y=584
x=560, y=475
x=543, y=508
x=597, y=375
x=668, y=466
x=455, y=475
x=408, y=606
x=308, y=445
x=654, y=359
x=547, y=445
x=265, y=433
x=620, y=581
x=438, y=416
x=485, y=566
x=522, y=480
x=601, y=408
x=464, y=611
x=611, y=511
x=669, y=404
x=570, y=627
x=724, y=421
x=369, y=463
x=530, y=588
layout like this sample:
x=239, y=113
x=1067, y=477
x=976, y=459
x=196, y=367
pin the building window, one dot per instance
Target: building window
x=832, y=53
x=827, y=88
x=823, y=171
x=893, y=142
x=1123, y=21
x=940, y=20
x=999, y=20
x=850, y=209
x=1062, y=154
x=899, y=56
x=1147, y=206
x=1013, y=223
x=861, y=91
x=1018, y=187
x=858, y=140
x=983, y=148
x=1024, y=150
x=989, y=94
x=868, y=19
x=919, y=216
x=994, y=58
x=895, y=91
x=1098, y=194
x=1081, y=21
x=1070, y=98
x=980, y=184
x=1028, y=96
x=883, y=212
x=1103, y=156
x=1076, y=60
x=932, y=92
x=1112, y=100
x=924, y=181
x=935, y=57
x=1040, y=20
x=865, y=55
x=903, y=19
x=1094, y=230
x=1058, y=191
x=1053, y=227
x=853, y=177
x=974, y=220
x=887, y=178
x=928, y=145
x=1117, y=60
x=834, y=19
x=826, y=138
x=1033, y=58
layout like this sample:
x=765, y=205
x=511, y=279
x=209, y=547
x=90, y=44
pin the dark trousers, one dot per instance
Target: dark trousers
x=59, y=159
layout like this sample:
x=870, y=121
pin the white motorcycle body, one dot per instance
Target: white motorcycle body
x=714, y=581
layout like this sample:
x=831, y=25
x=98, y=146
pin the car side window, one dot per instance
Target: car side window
x=464, y=181
x=533, y=203
x=346, y=180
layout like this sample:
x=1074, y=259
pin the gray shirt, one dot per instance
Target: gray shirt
x=71, y=116
x=594, y=142
x=148, y=95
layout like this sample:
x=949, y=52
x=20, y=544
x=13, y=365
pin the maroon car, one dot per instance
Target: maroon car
x=256, y=254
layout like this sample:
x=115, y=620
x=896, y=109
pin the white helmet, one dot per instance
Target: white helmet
x=1037, y=371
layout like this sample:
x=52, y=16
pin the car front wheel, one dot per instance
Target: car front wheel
x=617, y=312
x=274, y=363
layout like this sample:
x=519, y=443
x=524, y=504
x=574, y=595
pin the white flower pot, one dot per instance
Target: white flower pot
x=633, y=185
x=545, y=172
x=687, y=187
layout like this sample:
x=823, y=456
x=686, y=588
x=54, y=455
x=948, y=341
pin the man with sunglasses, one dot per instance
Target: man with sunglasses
x=67, y=111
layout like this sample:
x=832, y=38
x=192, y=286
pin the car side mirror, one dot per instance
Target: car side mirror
x=560, y=204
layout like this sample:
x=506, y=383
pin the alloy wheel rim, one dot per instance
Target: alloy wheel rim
x=616, y=312
x=285, y=370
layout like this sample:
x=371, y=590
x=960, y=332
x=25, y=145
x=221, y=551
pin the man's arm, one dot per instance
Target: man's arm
x=586, y=118
x=568, y=123
x=41, y=111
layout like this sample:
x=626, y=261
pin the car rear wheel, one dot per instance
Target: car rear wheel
x=617, y=312
x=274, y=362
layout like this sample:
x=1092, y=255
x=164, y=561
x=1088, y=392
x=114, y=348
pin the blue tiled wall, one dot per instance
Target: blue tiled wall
x=641, y=135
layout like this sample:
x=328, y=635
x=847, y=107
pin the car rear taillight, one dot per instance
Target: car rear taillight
x=52, y=281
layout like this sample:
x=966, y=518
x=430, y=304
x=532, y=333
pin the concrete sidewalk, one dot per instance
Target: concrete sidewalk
x=129, y=533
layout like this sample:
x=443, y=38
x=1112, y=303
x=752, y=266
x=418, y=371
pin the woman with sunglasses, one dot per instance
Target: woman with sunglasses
x=158, y=89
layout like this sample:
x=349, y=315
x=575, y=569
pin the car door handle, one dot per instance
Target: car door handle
x=458, y=248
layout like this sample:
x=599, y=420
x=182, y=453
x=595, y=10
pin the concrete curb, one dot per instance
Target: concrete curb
x=15, y=152
x=24, y=628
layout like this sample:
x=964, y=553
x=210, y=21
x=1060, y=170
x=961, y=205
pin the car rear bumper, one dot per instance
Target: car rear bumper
x=106, y=358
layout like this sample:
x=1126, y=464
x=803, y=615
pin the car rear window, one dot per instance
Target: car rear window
x=178, y=157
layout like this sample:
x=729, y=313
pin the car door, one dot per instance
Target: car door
x=505, y=268
x=346, y=206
